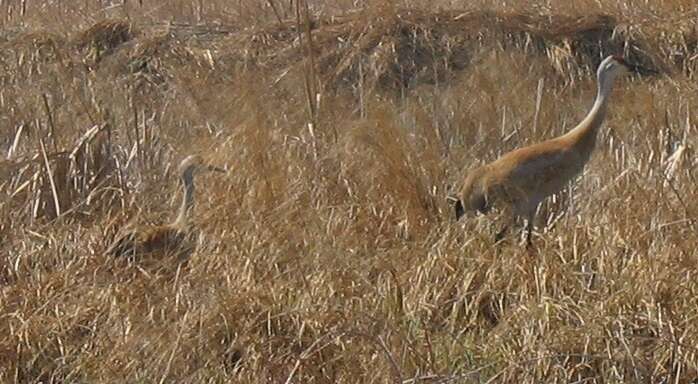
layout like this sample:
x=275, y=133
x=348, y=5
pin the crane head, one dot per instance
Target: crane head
x=194, y=163
x=472, y=196
x=617, y=64
x=619, y=59
x=613, y=66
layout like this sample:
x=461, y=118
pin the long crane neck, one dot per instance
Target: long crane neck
x=584, y=134
x=185, y=208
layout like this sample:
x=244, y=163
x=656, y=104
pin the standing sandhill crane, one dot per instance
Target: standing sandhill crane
x=519, y=180
x=173, y=238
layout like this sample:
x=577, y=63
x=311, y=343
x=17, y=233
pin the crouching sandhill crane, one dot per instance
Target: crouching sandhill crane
x=519, y=180
x=170, y=239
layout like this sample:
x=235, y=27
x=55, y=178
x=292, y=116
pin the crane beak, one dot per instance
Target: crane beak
x=215, y=169
x=640, y=70
x=458, y=209
x=457, y=206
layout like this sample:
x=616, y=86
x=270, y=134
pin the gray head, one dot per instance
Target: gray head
x=611, y=67
x=472, y=196
x=194, y=164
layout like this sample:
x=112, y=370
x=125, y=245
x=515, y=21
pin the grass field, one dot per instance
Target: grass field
x=328, y=253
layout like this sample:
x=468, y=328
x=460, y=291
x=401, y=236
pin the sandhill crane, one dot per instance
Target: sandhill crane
x=519, y=180
x=174, y=238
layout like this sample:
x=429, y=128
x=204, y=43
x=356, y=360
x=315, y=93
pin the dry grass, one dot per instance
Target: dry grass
x=329, y=253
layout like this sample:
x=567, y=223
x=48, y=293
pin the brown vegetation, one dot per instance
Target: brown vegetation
x=329, y=253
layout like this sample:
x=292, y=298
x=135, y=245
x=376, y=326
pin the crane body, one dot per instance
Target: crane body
x=521, y=179
x=174, y=238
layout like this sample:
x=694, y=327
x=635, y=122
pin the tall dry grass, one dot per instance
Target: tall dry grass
x=329, y=254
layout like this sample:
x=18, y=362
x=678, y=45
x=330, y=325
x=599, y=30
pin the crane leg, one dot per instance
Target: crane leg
x=500, y=235
x=529, y=228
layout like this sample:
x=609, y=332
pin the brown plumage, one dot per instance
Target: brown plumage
x=176, y=238
x=519, y=180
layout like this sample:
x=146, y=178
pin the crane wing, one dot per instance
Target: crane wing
x=540, y=170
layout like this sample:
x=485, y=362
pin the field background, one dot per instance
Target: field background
x=328, y=253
